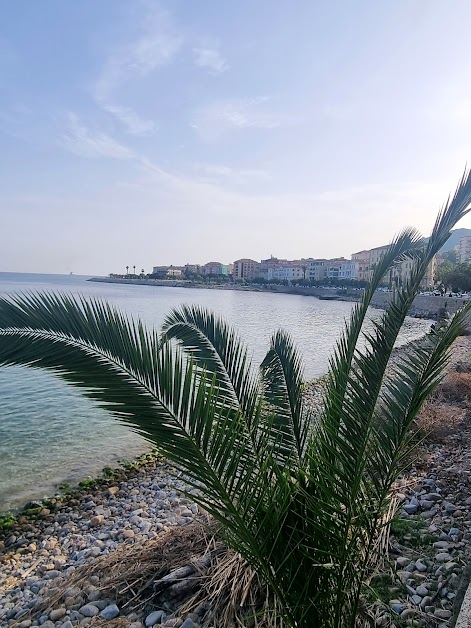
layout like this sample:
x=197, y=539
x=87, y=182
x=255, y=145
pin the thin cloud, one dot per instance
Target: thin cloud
x=224, y=117
x=223, y=173
x=84, y=142
x=133, y=123
x=210, y=59
x=158, y=42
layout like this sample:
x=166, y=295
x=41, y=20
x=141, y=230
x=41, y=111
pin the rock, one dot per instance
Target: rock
x=110, y=612
x=128, y=534
x=422, y=590
x=67, y=624
x=112, y=490
x=397, y=607
x=450, y=508
x=426, y=601
x=57, y=613
x=416, y=599
x=402, y=561
x=155, y=618
x=96, y=521
x=426, y=504
x=408, y=613
x=441, y=545
x=188, y=623
x=443, y=557
x=89, y=610
x=25, y=623
x=454, y=532
x=420, y=566
x=410, y=509
x=442, y=613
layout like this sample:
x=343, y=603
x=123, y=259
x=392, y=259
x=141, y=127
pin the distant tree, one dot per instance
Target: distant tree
x=451, y=256
x=458, y=278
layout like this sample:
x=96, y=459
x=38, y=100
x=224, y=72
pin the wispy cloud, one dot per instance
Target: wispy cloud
x=223, y=173
x=156, y=44
x=133, y=123
x=210, y=59
x=224, y=117
x=82, y=141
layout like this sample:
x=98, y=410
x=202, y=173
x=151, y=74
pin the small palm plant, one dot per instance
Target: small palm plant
x=301, y=498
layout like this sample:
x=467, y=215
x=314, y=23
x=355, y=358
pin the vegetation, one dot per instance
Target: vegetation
x=303, y=505
x=457, y=277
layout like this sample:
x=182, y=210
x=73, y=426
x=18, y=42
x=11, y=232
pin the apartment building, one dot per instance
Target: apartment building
x=362, y=265
x=464, y=253
x=245, y=269
x=215, y=268
x=285, y=272
x=316, y=269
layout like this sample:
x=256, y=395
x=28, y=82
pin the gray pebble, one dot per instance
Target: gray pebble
x=155, y=618
x=110, y=612
x=89, y=610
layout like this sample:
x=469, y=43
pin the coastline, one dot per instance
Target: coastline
x=426, y=307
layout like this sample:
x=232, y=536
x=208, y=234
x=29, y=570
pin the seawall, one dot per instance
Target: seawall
x=432, y=307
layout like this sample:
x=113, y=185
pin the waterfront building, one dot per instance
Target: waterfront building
x=361, y=261
x=285, y=272
x=245, y=269
x=215, y=268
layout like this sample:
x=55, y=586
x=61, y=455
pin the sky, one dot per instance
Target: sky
x=151, y=132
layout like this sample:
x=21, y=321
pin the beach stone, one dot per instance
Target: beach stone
x=402, y=561
x=57, y=613
x=443, y=557
x=128, y=534
x=408, y=613
x=416, y=599
x=67, y=624
x=188, y=623
x=422, y=590
x=397, y=607
x=25, y=623
x=96, y=520
x=442, y=613
x=89, y=610
x=420, y=566
x=155, y=618
x=410, y=509
x=110, y=612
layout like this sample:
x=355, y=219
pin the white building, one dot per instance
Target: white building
x=285, y=272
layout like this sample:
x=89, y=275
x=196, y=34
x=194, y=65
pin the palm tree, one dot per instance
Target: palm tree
x=127, y=270
x=302, y=498
x=134, y=267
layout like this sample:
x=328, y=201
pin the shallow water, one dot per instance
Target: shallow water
x=49, y=433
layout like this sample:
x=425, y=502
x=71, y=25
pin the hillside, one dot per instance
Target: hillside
x=454, y=239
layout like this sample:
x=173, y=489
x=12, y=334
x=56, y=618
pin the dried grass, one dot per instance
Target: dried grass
x=141, y=577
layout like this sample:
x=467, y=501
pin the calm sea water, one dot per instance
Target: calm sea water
x=49, y=433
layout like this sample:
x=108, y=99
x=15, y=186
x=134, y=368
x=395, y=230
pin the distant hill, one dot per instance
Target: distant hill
x=454, y=239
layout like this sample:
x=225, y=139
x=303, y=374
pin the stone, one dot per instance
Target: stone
x=188, y=623
x=155, y=618
x=441, y=545
x=442, y=613
x=443, y=557
x=410, y=509
x=422, y=590
x=420, y=566
x=450, y=508
x=57, y=613
x=128, y=534
x=396, y=606
x=26, y=623
x=416, y=599
x=426, y=601
x=89, y=610
x=112, y=490
x=426, y=504
x=408, y=613
x=110, y=612
x=96, y=521
x=402, y=561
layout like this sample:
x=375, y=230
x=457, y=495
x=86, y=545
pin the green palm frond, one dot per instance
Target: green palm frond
x=302, y=501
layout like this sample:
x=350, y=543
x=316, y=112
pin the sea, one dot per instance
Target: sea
x=51, y=434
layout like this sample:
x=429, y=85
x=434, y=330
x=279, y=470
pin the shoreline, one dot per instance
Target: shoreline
x=425, y=307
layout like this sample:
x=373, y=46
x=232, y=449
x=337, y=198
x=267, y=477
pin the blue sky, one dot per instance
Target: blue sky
x=151, y=132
